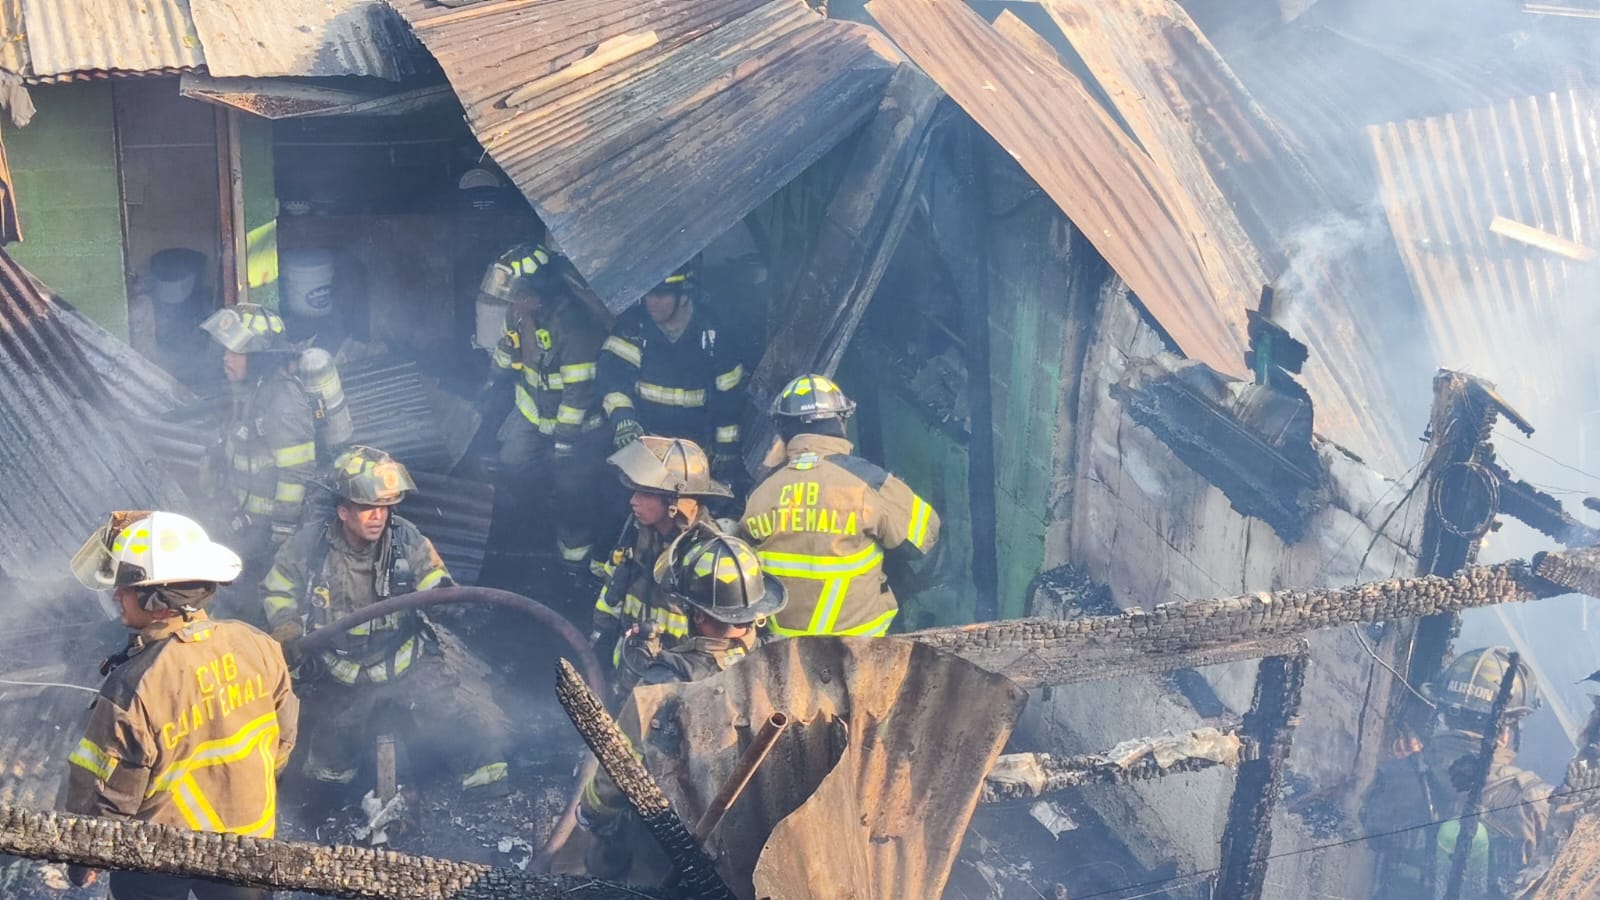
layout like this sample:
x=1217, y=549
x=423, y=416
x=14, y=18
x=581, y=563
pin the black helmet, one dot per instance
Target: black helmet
x=669, y=466
x=812, y=398
x=719, y=575
x=371, y=477
x=1472, y=681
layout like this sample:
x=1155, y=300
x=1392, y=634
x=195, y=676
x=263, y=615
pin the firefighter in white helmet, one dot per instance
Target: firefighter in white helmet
x=185, y=686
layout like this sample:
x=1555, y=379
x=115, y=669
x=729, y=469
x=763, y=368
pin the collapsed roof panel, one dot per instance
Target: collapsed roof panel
x=66, y=40
x=1058, y=132
x=251, y=38
x=14, y=55
x=66, y=455
x=640, y=132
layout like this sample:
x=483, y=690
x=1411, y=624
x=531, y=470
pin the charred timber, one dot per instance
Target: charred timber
x=1037, y=652
x=1270, y=723
x=698, y=874
x=279, y=865
x=1025, y=776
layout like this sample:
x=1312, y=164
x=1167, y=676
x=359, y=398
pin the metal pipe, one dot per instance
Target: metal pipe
x=462, y=594
x=749, y=761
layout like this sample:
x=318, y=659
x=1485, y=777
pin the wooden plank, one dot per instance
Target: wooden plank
x=1544, y=240
x=862, y=227
x=1050, y=122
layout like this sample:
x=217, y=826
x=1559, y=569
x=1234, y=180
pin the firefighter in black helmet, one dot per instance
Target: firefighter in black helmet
x=720, y=581
x=668, y=369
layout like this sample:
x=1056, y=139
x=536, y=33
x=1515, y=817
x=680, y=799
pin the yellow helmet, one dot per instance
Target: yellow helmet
x=371, y=477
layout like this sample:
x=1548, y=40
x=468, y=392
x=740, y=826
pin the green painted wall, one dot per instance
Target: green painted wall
x=260, y=191
x=65, y=167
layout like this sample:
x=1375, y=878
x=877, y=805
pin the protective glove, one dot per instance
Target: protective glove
x=82, y=876
x=628, y=430
x=287, y=632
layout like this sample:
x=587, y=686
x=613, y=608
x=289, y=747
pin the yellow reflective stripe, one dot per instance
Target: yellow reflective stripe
x=632, y=607
x=295, y=455
x=917, y=533
x=277, y=603
x=267, y=825
x=728, y=434
x=670, y=396
x=877, y=627
x=93, y=760
x=261, y=506
x=573, y=554
x=820, y=568
x=606, y=609
x=343, y=670
x=290, y=492
x=554, y=381
x=671, y=622
x=277, y=581
x=616, y=400
x=577, y=373
x=431, y=579
x=196, y=812
x=625, y=350
x=731, y=379
x=219, y=751
x=404, y=657
x=826, y=613
x=527, y=406
x=568, y=415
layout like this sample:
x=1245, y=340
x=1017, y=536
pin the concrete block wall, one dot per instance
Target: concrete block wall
x=65, y=167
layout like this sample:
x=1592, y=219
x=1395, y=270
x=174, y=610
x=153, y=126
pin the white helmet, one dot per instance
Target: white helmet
x=142, y=549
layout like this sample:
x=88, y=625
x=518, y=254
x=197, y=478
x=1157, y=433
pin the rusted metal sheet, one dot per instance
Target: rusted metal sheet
x=66, y=454
x=111, y=37
x=1532, y=160
x=256, y=39
x=868, y=791
x=640, y=132
x=1235, y=176
x=1046, y=118
x=277, y=98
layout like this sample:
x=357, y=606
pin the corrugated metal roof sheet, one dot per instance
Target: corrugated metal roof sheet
x=1057, y=131
x=110, y=36
x=13, y=39
x=255, y=39
x=66, y=456
x=1534, y=161
x=868, y=791
x=641, y=131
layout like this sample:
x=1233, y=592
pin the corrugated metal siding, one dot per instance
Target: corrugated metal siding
x=637, y=164
x=1058, y=132
x=110, y=36
x=14, y=39
x=255, y=39
x=1535, y=161
x=66, y=456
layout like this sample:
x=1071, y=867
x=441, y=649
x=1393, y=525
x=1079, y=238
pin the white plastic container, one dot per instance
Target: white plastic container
x=305, y=283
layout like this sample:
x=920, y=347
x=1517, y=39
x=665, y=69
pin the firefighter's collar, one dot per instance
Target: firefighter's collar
x=196, y=628
x=820, y=444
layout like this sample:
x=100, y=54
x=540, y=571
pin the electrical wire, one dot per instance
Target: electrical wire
x=1537, y=452
x=54, y=684
x=1356, y=630
x=1203, y=875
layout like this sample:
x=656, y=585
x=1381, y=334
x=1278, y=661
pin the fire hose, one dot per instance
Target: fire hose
x=319, y=639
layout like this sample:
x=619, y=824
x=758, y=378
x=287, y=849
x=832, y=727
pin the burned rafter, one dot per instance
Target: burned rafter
x=1035, y=652
x=1023, y=776
x=1269, y=725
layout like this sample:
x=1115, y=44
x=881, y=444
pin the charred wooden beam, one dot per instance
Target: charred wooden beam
x=698, y=873
x=1024, y=776
x=859, y=233
x=1036, y=652
x=358, y=872
x=1270, y=723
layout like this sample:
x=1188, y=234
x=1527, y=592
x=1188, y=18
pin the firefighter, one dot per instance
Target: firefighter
x=824, y=520
x=633, y=617
x=401, y=661
x=552, y=341
x=269, y=449
x=719, y=580
x=1515, y=802
x=196, y=717
x=665, y=373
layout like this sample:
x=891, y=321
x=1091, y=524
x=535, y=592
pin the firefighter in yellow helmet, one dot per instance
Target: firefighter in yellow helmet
x=823, y=521
x=1516, y=802
x=365, y=554
x=268, y=449
x=720, y=581
x=635, y=618
x=669, y=369
x=196, y=717
x=554, y=441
